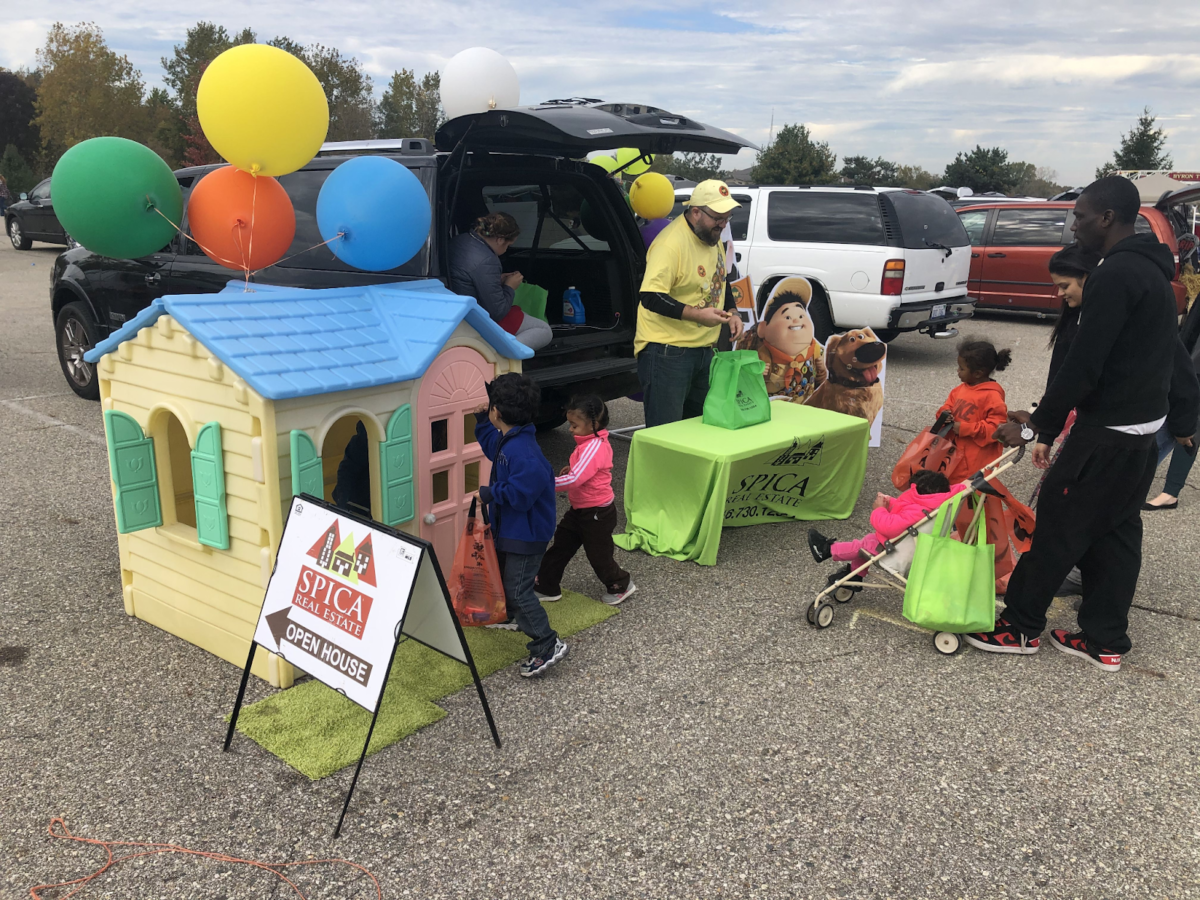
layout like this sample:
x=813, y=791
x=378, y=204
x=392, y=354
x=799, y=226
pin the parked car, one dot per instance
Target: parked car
x=1011, y=247
x=32, y=218
x=892, y=259
x=526, y=161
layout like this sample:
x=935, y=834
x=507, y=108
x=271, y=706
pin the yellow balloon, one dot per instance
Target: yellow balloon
x=652, y=196
x=607, y=163
x=262, y=109
x=625, y=154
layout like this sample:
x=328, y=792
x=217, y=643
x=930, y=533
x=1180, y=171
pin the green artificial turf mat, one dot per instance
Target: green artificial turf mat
x=317, y=731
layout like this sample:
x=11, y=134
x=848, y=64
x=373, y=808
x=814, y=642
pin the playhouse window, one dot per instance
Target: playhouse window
x=439, y=435
x=441, y=486
x=468, y=429
x=182, y=497
x=470, y=478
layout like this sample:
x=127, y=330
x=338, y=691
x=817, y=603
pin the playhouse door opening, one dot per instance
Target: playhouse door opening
x=345, y=465
x=453, y=465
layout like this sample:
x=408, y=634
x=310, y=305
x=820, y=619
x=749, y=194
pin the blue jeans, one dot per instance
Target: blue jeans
x=1181, y=461
x=518, y=571
x=674, y=382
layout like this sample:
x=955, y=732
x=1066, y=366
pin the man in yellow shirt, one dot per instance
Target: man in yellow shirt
x=685, y=299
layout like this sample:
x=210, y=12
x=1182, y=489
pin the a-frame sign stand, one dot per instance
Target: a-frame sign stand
x=342, y=606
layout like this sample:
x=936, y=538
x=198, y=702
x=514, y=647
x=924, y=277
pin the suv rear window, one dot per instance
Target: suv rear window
x=926, y=219
x=303, y=188
x=739, y=222
x=1141, y=226
x=1017, y=227
x=825, y=217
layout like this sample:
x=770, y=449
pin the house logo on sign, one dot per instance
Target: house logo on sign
x=801, y=453
x=324, y=594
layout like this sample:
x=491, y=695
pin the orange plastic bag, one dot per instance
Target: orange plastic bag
x=476, y=588
x=933, y=449
x=1010, y=525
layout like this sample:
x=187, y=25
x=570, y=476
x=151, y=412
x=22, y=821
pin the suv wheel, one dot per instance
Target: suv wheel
x=75, y=334
x=16, y=234
x=822, y=318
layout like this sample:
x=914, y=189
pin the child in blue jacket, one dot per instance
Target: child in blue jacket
x=520, y=499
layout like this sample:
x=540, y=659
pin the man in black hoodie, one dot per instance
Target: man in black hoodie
x=1125, y=374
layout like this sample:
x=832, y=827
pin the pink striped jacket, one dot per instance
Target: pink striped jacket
x=589, y=482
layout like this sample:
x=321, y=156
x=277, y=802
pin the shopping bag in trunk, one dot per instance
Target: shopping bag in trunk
x=737, y=393
x=476, y=588
x=933, y=449
x=952, y=584
x=531, y=299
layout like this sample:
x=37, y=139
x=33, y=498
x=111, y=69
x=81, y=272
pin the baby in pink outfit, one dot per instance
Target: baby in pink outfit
x=890, y=516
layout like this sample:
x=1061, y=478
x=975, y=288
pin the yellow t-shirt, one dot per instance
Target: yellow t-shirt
x=679, y=264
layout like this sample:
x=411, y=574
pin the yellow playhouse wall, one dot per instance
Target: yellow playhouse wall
x=206, y=596
x=319, y=415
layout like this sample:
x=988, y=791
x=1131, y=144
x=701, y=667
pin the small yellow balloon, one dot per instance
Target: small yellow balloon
x=262, y=109
x=607, y=163
x=625, y=154
x=652, y=196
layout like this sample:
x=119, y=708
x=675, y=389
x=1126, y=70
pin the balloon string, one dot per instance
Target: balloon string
x=63, y=833
x=253, y=203
x=234, y=265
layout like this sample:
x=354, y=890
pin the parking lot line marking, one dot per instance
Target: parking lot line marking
x=53, y=422
x=891, y=620
x=37, y=397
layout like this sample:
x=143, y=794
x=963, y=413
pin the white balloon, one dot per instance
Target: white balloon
x=477, y=80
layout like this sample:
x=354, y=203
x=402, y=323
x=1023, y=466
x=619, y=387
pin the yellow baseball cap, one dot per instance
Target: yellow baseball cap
x=713, y=195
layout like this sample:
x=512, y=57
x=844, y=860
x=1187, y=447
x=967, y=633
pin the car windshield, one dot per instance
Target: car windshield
x=926, y=220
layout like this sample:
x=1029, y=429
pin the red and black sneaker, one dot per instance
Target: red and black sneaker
x=1006, y=638
x=1077, y=645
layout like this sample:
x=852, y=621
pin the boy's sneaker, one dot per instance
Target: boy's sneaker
x=545, y=596
x=821, y=546
x=536, y=665
x=507, y=625
x=1006, y=638
x=615, y=599
x=1076, y=644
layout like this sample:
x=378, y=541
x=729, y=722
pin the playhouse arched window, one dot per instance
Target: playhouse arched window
x=177, y=489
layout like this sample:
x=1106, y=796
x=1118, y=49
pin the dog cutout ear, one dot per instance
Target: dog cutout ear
x=831, y=343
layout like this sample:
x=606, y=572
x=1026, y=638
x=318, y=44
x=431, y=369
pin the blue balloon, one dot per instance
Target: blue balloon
x=381, y=209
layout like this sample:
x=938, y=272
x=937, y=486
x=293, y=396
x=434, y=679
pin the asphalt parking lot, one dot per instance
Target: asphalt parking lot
x=706, y=742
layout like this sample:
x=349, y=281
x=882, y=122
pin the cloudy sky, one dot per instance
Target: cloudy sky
x=1054, y=83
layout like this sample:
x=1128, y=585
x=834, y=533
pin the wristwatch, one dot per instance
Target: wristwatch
x=1026, y=433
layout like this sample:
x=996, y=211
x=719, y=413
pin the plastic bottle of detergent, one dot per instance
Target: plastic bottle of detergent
x=572, y=307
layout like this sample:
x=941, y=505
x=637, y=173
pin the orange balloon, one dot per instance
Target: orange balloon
x=239, y=220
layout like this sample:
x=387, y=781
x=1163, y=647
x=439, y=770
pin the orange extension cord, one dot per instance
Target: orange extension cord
x=65, y=834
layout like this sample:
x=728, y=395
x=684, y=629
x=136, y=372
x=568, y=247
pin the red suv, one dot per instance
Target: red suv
x=1011, y=245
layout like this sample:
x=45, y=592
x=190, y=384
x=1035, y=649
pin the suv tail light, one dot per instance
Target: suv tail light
x=893, y=278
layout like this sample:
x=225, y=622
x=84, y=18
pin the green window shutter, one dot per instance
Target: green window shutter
x=307, y=477
x=396, y=469
x=208, y=482
x=131, y=461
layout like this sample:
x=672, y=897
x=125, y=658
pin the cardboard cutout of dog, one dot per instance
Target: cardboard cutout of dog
x=852, y=362
x=785, y=340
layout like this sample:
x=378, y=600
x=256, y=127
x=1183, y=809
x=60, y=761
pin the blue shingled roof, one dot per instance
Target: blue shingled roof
x=292, y=342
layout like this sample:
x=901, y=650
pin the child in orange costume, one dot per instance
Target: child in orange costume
x=977, y=407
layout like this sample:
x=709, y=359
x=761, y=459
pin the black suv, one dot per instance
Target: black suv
x=32, y=219
x=576, y=230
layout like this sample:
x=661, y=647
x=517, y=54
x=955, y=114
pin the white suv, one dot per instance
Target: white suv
x=892, y=259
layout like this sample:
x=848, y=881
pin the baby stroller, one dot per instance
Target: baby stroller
x=894, y=558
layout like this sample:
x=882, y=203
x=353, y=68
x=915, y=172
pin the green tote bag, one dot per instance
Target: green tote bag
x=952, y=584
x=737, y=393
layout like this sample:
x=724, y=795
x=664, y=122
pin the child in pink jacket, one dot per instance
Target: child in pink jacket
x=592, y=518
x=890, y=516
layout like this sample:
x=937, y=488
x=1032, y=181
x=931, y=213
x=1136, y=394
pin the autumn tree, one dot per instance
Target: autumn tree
x=915, y=178
x=87, y=90
x=794, y=158
x=410, y=108
x=1142, y=147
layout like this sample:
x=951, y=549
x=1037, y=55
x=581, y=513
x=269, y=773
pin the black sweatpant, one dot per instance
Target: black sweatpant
x=1089, y=515
x=592, y=529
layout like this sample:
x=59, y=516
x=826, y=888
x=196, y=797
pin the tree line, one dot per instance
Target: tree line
x=81, y=88
x=795, y=157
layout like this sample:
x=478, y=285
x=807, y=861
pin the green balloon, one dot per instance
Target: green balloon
x=108, y=193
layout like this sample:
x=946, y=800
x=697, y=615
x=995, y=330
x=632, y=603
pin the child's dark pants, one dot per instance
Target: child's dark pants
x=592, y=529
x=518, y=571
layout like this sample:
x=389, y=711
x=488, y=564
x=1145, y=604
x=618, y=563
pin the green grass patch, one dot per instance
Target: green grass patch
x=317, y=731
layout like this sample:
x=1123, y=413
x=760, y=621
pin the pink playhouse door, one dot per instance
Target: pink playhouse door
x=455, y=467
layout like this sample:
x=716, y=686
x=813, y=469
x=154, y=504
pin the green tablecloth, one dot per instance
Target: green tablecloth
x=687, y=480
